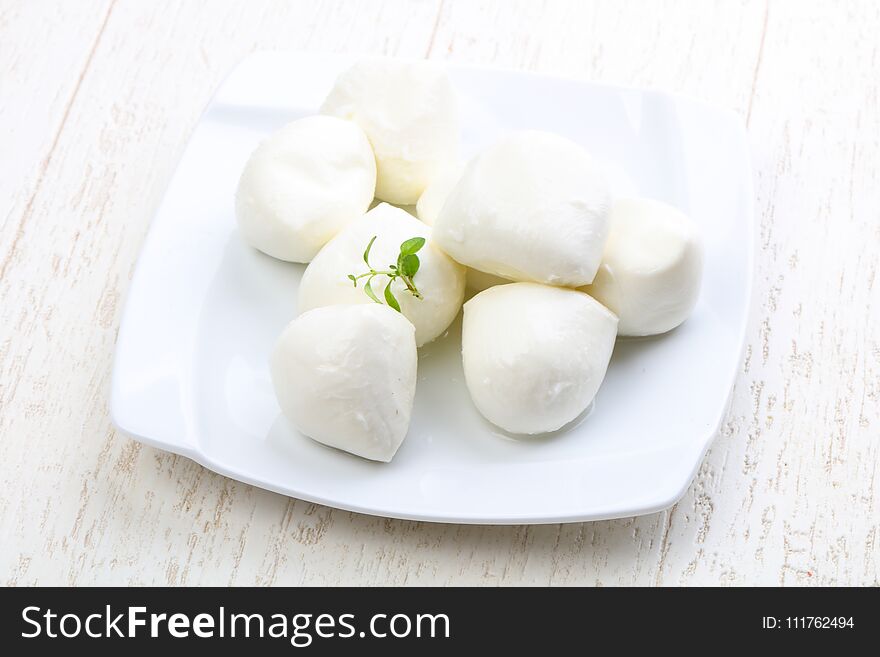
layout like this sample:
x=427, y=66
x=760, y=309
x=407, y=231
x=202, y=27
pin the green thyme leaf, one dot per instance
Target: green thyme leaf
x=409, y=265
x=412, y=245
x=367, y=252
x=390, y=298
x=368, y=288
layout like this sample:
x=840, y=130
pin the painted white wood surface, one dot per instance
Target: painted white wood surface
x=96, y=102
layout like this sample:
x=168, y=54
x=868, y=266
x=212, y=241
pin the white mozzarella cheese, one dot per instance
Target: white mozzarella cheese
x=303, y=184
x=408, y=108
x=535, y=355
x=532, y=207
x=651, y=269
x=346, y=377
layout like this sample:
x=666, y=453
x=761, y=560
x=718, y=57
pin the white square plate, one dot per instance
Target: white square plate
x=191, y=372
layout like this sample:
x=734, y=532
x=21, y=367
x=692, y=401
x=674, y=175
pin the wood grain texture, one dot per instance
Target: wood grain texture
x=96, y=103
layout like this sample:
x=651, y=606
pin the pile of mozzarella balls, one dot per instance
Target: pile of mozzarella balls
x=559, y=268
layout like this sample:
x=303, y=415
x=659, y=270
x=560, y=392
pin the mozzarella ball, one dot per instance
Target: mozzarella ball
x=440, y=279
x=651, y=269
x=303, y=185
x=432, y=199
x=431, y=202
x=408, y=110
x=533, y=207
x=535, y=355
x=346, y=377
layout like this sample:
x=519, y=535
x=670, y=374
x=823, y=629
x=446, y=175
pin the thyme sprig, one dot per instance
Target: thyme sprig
x=405, y=269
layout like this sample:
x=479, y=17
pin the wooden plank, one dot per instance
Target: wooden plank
x=37, y=88
x=799, y=452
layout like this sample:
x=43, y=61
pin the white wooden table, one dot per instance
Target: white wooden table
x=96, y=102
